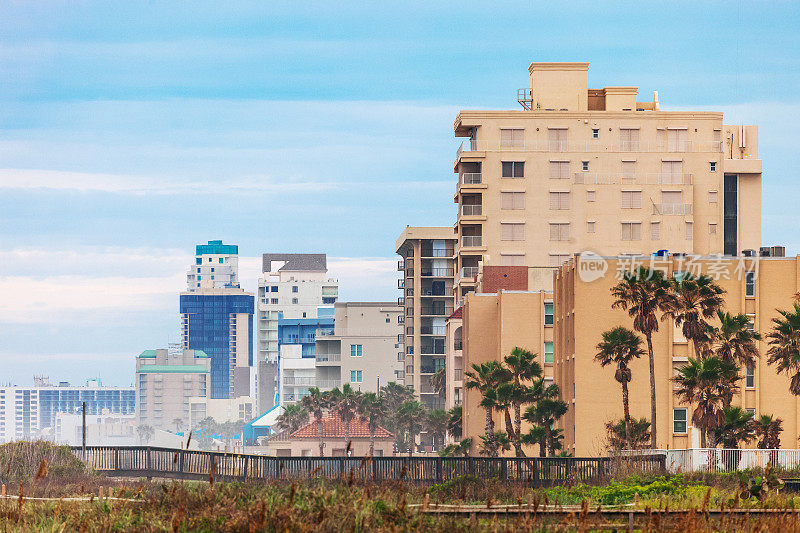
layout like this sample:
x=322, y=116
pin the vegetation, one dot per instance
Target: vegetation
x=621, y=438
x=784, y=346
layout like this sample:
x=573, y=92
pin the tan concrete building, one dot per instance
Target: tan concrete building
x=594, y=169
x=165, y=382
x=362, y=348
x=427, y=284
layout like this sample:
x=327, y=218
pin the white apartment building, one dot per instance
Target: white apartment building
x=216, y=266
x=292, y=286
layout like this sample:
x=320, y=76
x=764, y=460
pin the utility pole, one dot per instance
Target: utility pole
x=83, y=446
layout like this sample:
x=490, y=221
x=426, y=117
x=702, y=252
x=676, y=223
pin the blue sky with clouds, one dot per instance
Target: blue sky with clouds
x=131, y=131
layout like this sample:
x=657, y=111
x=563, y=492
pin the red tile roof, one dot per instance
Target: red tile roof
x=333, y=428
x=457, y=313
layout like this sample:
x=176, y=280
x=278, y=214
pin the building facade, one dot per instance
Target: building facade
x=297, y=360
x=31, y=412
x=428, y=276
x=216, y=265
x=363, y=347
x=293, y=286
x=580, y=169
x=165, y=382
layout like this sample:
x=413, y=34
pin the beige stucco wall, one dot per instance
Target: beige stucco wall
x=333, y=448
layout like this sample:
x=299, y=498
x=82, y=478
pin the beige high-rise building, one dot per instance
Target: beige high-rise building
x=427, y=284
x=362, y=348
x=580, y=169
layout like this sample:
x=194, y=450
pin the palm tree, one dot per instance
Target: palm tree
x=545, y=411
x=455, y=424
x=294, y=417
x=436, y=425
x=734, y=342
x=737, y=426
x=491, y=446
x=619, y=347
x=484, y=377
x=707, y=382
x=178, y=422
x=460, y=448
x=698, y=298
x=345, y=401
x=768, y=432
x=784, y=346
x=145, y=433
x=438, y=382
x=316, y=403
x=644, y=293
x=411, y=416
x=639, y=437
x=522, y=366
x=372, y=410
x=394, y=395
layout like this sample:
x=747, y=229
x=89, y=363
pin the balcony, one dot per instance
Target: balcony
x=328, y=357
x=447, y=291
x=622, y=178
x=401, y=284
x=469, y=272
x=409, y=272
x=471, y=241
x=438, y=252
x=401, y=300
x=458, y=345
x=291, y=381
x=472, y=145
x=432, y=330
x=437, y=310
x=427, y=370
x=401, y=356
x=437, y=273
x=471, y=178
x=432, y=350
x=458, y=374
x=672, y=209
x=401, y=265
x=326, y=384
x=401, y=319
x=471, y=210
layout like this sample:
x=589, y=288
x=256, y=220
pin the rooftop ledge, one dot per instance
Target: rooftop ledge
x=743, y=166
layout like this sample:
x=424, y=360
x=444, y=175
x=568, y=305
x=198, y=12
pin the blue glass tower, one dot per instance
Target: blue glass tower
x=210, y=324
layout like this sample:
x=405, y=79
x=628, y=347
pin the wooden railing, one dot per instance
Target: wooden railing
x=148, y=461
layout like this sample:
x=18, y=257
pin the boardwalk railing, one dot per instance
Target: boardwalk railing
x=722, y=459
x=148, y=461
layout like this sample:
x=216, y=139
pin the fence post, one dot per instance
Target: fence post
x=535, y=473
x=439, y=469
x=503, y=469
x=116, y=459
x=149, y=463
x=374, y=469
x=181, y=462
x=471, y=466
x=246, y=461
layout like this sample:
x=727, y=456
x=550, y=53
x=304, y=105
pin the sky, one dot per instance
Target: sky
x=129, y=132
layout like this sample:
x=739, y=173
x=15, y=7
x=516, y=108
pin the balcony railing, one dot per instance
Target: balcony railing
x=471, y=240
x=293, y=381
x=432, y=330
x=672, y=209
x=437, y=292
x=323, y=357
x=427, y=370
x=473, y=145
x=471, y=178
x=623, y=178
x=328, y=383
x=401, y=300
x=458, y=374
x=592, y=146
x=409, y=272
x=437, y=272
x=401, y=356
x=469, y=272
x=401, y=284
x=401, y=319
x=471, y=210
x=401, y=265
x=432, y=350
x=438, y=252
x=436, y=310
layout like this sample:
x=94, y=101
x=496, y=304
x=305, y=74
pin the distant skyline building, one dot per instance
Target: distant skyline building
x=293, y=286
x=297, y=361
x=216, y=265
x=217, y=318
x=26, y=411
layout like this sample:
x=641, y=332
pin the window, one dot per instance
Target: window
x=512, y=259
x=751, y=323
x=655, y=231
x=512, y=200
x=590, y=227
x=199, y=278
x=585, y=166
x=548, y=352
x=559, y=170
x=387, y=321
x=199, y=261
x=750, y=284
x=513, y=169
x=670, y=198
x=294, y=288
x=512, y=232
x=355, y=376
x=557, y=139
x=750, y=377
x=198, y=270
x=712, y=166
x=712, y=197
x=556, y=260
x=676, y=140
x=591, y=196
x=595, y=133
x=689, y=231
x=274, y=301
x=212, y=277
x=329, y=299
x=679, y=420
x=212, y=269
x=509, y=137
x=559, y=200
x=559, y=231
x=628, y=140
x=672, y=172
x=220, y=260
x=274, y=288
x=355, y=350
x=548, y=313
x=631, y=199
x=631, y=231
x=294, y=300
x=209, y=259
x=628, y=171
x=712, y=228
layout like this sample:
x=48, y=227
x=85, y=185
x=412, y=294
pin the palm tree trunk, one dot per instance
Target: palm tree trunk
x=626, y=413
x=411, y=440
x=511, y=433
x=702, y=437
x=371, y=440
x=652, y=362
x=489, y=425
x=548, y=439
x=518, y=429
x=319, y=433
